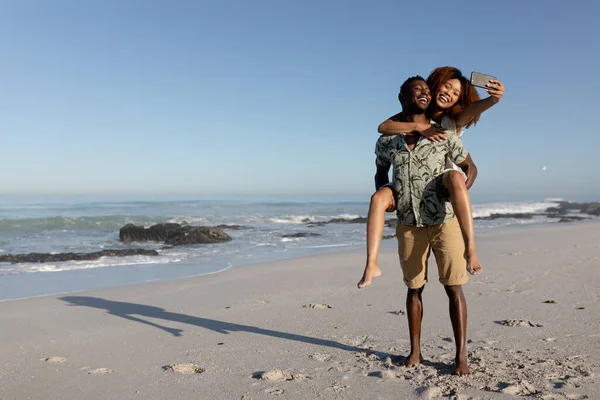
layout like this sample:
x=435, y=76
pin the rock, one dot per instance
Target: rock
x=385, y=237
x=231, y=227
x=507, y=215
x=301, y=235
x=173, y=234
x=591, y=208
x=359, y=220
x=60, y=257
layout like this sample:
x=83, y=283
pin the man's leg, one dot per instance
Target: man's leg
x=454, y=182
x=413, y=250
x=448, y=248
x=414, y=311
x=381, y=201
x=458, y=316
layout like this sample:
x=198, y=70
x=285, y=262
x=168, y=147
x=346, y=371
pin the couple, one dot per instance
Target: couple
x=423, y=147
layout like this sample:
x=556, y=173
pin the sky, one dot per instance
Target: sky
x=268, y=97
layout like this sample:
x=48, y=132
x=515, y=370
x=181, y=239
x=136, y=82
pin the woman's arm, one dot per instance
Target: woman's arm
x=495, y=90
x=393, y=127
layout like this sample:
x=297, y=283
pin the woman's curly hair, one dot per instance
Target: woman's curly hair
x=468, y=95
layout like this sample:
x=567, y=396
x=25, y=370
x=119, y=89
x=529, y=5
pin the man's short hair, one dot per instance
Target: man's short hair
x=405, y=85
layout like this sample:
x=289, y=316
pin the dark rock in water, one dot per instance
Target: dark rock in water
x=507, y=215
x=232, y=227
x=45, y=257
x=311, y=224
x=301, y=235
x=592, y=208
x=359, y=220
x=391, y=222
x=388, y=237
x=173, y=234
x=570, y=218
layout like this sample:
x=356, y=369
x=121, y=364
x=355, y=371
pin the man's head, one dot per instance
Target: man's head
x=414, y=95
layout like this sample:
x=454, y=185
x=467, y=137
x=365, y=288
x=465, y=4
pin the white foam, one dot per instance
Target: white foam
x=80, y=265
x=293, y=219
x=485, y=210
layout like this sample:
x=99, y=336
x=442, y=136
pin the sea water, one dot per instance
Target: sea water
x=88, y=224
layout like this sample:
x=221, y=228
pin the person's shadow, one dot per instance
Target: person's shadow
x=133, y=312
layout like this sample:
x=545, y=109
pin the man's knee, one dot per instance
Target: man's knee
x=453, y=290
x=415, y=292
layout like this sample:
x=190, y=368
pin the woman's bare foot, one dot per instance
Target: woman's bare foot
x=371, y=271
x=462, y=368
x=474, y=267
x=413, y=360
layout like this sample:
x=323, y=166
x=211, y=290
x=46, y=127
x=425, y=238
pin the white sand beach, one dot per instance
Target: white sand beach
x=300, y=329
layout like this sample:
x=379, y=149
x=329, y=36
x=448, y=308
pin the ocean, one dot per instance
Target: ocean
x=81, y=225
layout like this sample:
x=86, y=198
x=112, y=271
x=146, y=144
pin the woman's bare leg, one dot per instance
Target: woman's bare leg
x=381, y=201
x=454, y=182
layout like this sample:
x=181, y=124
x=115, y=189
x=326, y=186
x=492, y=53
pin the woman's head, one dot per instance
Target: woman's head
x=451, y=92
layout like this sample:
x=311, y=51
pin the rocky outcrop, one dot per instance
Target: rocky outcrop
x=60, y=257
x=173, y=234
x=563, y=207
x=507, y=215
x=300, y=235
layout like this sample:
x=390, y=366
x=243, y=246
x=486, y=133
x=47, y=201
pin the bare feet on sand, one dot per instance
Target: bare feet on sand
x=462, y=368
x=474, y=267
x=371, y=271
x=413, y=360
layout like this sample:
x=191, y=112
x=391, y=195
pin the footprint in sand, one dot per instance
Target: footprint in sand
x=275, y=391
x=276, y=375
x=315, y=305
x=185, y=368
x=55, y=360
x=320, y=357
x=576, y=396
x=99, y=371
x=519, y=322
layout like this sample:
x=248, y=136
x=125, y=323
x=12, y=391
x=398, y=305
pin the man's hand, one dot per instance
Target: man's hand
x=470, y=169
x=434, y=134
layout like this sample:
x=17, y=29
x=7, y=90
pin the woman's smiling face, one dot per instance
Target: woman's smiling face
x=448, y=94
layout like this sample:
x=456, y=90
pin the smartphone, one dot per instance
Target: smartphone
x=481, y=80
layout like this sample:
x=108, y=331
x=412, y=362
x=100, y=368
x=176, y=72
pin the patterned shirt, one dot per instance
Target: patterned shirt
x=417, y=176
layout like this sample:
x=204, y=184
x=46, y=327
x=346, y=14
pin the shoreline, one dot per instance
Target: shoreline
x=235, y=325
x=111, y=276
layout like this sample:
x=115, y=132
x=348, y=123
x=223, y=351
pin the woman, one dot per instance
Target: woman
x=455, y=104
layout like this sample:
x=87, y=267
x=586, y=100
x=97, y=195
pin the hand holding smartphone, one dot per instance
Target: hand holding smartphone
x=481, y=80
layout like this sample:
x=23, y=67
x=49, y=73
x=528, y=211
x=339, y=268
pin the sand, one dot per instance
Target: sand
x=299, y=329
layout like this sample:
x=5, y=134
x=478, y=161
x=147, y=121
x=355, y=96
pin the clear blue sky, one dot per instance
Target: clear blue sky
x=220, y=98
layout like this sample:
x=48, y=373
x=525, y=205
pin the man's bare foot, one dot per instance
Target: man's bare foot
x=371, y=271
x=413, y=360
x=462, y=368
x=474, y=267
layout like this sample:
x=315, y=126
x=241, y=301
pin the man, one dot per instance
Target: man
x=425, y=219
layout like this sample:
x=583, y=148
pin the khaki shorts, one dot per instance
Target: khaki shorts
x=415, y=245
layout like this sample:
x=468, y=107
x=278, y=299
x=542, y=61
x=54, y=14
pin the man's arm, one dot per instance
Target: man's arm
x=382, y=176
x=470, y=169
x=495, y=90
x=457, y=153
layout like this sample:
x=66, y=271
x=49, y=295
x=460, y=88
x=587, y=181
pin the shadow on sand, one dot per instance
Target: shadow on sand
x=134, y=312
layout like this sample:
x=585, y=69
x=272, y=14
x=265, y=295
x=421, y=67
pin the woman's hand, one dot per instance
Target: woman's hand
x=495, y=89
x=432, y=133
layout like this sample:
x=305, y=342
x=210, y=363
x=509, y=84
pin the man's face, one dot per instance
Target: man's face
x=420, y=97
